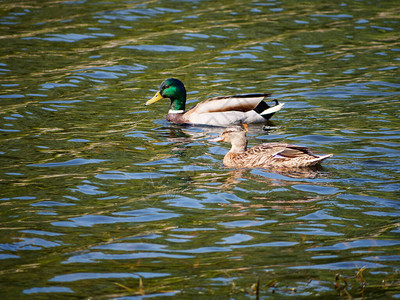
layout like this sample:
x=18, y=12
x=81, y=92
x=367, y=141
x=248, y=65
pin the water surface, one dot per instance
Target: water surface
x=101, y=197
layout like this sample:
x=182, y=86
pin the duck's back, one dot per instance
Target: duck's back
x=241, y=103
x=273, y=155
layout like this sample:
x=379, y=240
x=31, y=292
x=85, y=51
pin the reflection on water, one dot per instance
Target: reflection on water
x=101, y=197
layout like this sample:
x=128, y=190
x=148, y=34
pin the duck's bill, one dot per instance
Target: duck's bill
x=217, y=139
x=157, y=97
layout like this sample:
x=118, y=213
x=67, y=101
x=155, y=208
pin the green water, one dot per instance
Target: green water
x=102, y=198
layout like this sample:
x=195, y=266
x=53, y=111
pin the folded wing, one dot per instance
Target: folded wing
x=241, y=103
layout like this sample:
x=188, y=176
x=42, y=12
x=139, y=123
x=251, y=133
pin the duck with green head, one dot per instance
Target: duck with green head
x=217, y=111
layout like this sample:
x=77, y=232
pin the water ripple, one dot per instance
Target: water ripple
x=136, y=216
x=340, y=266
x=117, y=175
x=72, y=162
x=94, y=257
x=85, y=276
x=357, y=244
x=50, y=289
x=160, y=48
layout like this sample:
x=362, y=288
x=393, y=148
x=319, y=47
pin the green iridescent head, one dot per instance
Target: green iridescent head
x=173, y=89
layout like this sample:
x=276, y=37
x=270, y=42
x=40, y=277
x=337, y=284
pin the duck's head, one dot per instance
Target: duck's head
x=173, y=89
x=236, y=135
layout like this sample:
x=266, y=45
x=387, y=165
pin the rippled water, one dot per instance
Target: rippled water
x=102, y=198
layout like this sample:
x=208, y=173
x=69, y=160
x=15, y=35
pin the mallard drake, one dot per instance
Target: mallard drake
x=267, y=155
x=217, y=111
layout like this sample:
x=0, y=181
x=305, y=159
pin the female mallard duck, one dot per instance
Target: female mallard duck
x=217, y=111
x=265, y=155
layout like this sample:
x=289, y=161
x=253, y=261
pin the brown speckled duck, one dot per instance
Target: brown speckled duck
x=269, y=155
x=216, y=111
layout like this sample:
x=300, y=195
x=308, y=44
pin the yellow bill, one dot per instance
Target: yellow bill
x=156, y=97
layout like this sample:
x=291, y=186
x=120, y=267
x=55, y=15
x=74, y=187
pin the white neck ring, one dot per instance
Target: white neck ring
x=176, y=111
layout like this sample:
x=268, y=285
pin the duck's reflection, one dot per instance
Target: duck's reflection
x=187, y=132
x=275, y=176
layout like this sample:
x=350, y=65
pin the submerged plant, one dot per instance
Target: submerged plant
x=342, y=284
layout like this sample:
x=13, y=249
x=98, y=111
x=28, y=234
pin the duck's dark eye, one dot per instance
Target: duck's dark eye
x=166, y=86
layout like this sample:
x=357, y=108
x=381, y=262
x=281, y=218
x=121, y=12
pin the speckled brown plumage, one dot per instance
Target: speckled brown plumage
x=265, y=155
